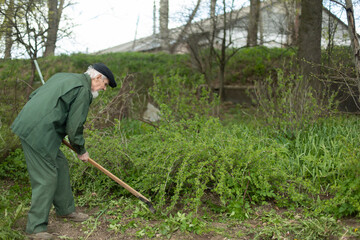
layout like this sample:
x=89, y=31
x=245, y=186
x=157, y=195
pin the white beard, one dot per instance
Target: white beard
x=95, y=94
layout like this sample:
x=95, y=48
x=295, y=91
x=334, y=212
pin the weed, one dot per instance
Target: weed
x=9, y=215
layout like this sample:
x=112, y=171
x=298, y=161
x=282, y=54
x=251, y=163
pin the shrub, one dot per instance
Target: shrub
x=289, y=103
x=181, y=98
x=14, y=166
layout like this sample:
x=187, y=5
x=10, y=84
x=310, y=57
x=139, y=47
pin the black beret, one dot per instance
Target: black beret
x=104, y=70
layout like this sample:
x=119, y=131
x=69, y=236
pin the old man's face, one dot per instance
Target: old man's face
x=99, y=83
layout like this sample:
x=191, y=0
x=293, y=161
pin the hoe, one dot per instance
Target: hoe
x=116, y=179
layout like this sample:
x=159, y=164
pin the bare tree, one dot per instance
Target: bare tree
x=29, y=29
x=186, y=27
x=254, y=17
x=164, y=25
x=33, y=24
x=211, y=45
x=354, y=38
x=331, y=27
x=353, y=35
x=55, y=8
x=348, y=6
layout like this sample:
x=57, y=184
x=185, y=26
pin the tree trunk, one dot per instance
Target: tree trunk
x=310, y=37
x=212, y=35
x=8, y=29
x=164, y=25
x=54, y=15
x=222, y=58
x=353, y=36
x=253, y=23
x=213, y=22
x=154, y=18
x=295, y=37
x=292, y=9
x=261, y=28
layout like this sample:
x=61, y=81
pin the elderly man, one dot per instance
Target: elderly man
x=56, y=109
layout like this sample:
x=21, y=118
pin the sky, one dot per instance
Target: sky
x=101, y=24
x=106, y=23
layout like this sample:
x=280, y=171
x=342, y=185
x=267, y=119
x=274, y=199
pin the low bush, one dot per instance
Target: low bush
x=190, y=157
x=289, y=103
x=229, y=168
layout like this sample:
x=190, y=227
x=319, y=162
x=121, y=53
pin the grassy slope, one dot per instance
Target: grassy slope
x=310, y=162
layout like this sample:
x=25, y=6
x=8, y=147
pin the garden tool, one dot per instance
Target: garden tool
x=116, y=179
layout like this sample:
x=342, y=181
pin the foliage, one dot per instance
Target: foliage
x=180, y=98
x=15, y=196
x=289, y=102
x=12, y=88
x=181, y=221
x=338, y=57
x=9, y=218
x=251, y=64
x=7, y=141
x=180, y=164
x=14, y=166
x=228, y=169
x=195, y=167
x=190, y=155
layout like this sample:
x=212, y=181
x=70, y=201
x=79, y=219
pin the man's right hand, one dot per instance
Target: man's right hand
x=84, y=157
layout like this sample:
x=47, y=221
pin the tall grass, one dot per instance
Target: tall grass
x=241, y=164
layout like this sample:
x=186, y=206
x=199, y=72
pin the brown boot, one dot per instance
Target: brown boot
x=41, y=235
x=76, y=216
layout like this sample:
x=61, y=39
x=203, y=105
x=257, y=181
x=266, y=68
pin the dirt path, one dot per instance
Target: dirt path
x=97, y=228
x=126, y=219
x=64, y=229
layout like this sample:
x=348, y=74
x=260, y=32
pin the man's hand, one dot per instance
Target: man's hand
x=84, y=157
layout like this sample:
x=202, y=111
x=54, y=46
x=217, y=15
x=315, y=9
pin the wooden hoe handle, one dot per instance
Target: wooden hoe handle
x=116, y=179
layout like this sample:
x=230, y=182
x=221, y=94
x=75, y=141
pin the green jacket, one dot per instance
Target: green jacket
x=56, y=109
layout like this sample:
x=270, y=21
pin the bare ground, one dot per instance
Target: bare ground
x=217, y=228
x=98, y=229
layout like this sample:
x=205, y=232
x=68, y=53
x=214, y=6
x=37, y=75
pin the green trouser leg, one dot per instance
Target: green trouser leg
x=50, y=183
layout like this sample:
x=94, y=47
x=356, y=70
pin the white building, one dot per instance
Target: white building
x=273, y=30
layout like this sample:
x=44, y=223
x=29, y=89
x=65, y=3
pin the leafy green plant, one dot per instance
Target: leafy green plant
x=9, y=215
x=14, y=166
x=181, y=99
x=8, y=141
x=252, y=64
x=290, y=103
x=7, y=223
x=179, y=222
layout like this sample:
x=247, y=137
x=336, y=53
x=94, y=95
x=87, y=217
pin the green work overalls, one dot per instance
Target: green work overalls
x=56, y=109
